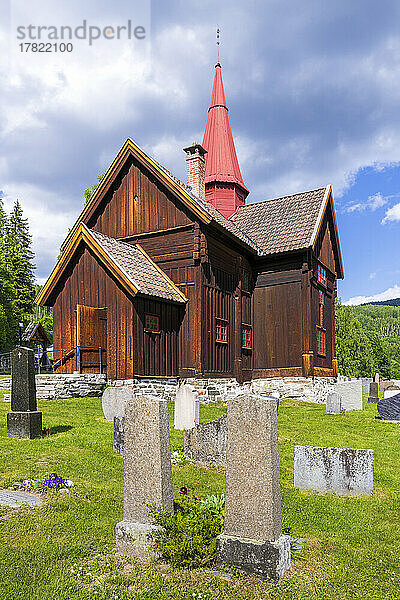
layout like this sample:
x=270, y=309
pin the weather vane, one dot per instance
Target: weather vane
x=218, y=44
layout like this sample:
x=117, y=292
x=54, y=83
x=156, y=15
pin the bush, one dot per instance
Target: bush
x=188, y=537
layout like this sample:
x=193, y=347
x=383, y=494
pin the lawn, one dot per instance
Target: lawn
x=65, y=550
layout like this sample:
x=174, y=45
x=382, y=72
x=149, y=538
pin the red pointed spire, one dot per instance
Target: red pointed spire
x=223, y=180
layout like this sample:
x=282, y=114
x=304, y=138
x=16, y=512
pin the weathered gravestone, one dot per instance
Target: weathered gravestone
x=373, y=392
x=207, y=442
x=15, y=499
x=252, y=538
x=365, y=384
x=390, y=393
x=119, y=434
x=389, y=408
x=24, y=420
x=114, y=400
x=186, y=407
x=147, y=471
x=333, y=404
x=345, y=471
x=351, y=393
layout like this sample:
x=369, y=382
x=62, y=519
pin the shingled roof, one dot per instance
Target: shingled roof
x=138, y=267
x=282, y=224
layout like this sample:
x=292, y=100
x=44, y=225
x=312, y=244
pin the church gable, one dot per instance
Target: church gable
x=326, y=246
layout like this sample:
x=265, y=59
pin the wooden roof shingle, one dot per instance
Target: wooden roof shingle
x=283, y=224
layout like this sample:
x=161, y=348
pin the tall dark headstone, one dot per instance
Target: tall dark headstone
x=373, y=397
x=24, y=421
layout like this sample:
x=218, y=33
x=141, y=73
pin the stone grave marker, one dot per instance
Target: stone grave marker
x=376, y=379
x=15, y=499
x=365, y=384
x=390, y=393
x=207, y=442
x=119, y=434
x=114, y=400
x=252, y=538
x=389, y=408
x=344, y=471
x=373, y=392
x=333, y=404
x=147, y=471
x=24, y=420
x=186, y=407
x=351, y=393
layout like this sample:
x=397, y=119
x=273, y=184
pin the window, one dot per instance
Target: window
x=321, y=341
x=221, y=330
x=322, y=278
x=247, y=336
x=152, y=324
x=245, y=281
x=321, y=308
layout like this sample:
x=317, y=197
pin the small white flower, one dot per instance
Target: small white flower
x=69, y=483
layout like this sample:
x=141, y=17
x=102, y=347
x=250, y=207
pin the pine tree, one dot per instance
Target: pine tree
x=18, y=258
x=7, y=318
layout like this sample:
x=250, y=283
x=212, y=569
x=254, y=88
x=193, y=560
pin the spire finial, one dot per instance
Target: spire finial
x=218, y=47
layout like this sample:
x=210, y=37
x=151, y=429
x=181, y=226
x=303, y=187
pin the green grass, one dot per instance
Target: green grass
x=64, y=550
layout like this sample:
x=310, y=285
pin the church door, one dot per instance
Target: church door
x=91, y=339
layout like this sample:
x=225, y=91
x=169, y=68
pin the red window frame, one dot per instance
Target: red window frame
x=245, y=283
x=321, y=276
x=152, y=323
x=321, y=307
x=247, y=337
x=321, y=341
x=221, y=331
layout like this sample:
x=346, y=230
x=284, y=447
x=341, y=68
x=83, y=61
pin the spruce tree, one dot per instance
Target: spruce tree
x=18, y=258
x=8, y=321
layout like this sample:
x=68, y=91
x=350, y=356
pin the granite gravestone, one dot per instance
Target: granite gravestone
x=351, y=393
x=390, y=393
x=333, y=404
x=119, y=434
x=24, y=420
x=186, y=408
x=373, y=397
x=206, y=442
x=344, y=471
x=389, y=408
x=252, y=538
x=114, y=400
x=147, y=472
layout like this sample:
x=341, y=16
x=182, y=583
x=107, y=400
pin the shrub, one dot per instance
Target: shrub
x=188, y=537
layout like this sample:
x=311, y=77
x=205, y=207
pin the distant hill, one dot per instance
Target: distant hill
x=392, y=302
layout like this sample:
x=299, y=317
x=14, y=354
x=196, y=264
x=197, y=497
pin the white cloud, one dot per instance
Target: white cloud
x=372, y=203
x=372, y=275
x=389, y=294
x=392, y=214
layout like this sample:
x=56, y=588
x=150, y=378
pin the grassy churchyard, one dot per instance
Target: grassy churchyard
x=65, y=549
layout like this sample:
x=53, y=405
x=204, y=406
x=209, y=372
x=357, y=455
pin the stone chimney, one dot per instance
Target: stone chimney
x=195, y=163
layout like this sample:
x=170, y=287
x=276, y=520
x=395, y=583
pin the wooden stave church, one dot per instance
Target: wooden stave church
x=176, y=280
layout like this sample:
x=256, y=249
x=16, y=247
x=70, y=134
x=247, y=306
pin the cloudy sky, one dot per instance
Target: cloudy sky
x=313, y=89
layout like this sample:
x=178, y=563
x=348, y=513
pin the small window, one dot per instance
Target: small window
x=247, y=337
x=321, y=308
x=221, y=331
x=245, y=286
x=152, y=324
x=321, y=342
x=322, y=278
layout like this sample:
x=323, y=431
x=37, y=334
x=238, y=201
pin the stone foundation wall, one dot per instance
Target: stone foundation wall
x=51, y=387
x=213, y=390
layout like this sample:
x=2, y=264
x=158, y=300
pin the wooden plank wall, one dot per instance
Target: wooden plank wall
x=90, y=285
x=137, y=203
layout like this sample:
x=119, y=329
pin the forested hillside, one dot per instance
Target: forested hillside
x=368, y=340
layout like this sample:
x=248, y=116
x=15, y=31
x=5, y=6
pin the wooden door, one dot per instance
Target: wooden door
x=91, y=339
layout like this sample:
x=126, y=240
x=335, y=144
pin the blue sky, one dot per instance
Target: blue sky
x=313, y=90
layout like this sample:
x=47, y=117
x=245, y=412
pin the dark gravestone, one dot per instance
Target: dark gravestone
x=389, y=408
x=24, y=421
x=373, y=392
x=119, y=434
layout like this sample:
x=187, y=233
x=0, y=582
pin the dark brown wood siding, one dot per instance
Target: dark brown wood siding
x=137, y=203
x=277, y=316
x=90, y=285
